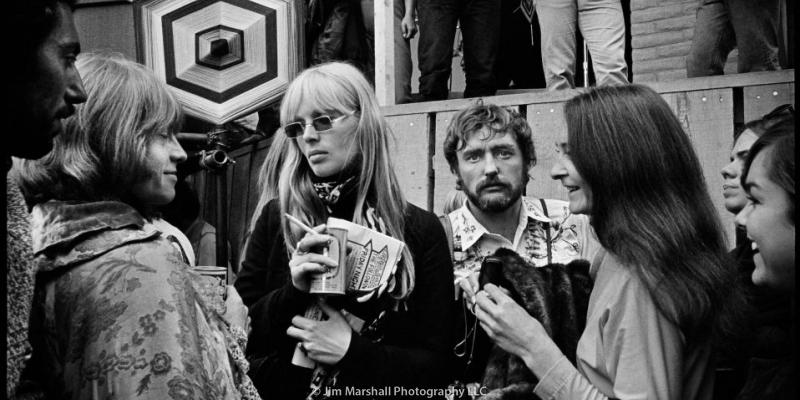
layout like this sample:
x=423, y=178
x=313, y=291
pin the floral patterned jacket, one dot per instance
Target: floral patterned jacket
x=119, y=315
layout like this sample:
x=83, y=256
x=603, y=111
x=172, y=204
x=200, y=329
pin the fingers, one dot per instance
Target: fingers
x=232, y=295
x=304, y=266
x=310, y=241
x=473, y=281
x=497, y=294
x=489, y=332
x=235, y=310
x=320, y=228
x=469, y=284
x=487, y=323
x=303, y=322
x=408, y=27
x=314, y=258
x=468, y=289
x=484, y=302
x=412, y=32
x=297, y=333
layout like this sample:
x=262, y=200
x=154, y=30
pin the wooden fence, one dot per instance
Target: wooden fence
x=708, y=108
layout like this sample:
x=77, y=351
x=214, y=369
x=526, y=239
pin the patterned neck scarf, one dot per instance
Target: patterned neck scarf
x=330, y=192
x=326, y=376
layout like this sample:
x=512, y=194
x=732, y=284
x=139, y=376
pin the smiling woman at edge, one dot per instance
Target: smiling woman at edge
x=337, y=163
x=117, y=311
x=768, y=321
x=769, y=216
x=661, y=287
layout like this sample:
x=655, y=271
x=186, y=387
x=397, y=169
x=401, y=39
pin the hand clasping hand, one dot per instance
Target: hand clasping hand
x=325, y=342
x=305, y=263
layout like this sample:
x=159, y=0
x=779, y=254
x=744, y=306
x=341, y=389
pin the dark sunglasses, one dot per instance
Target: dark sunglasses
x=320, y=124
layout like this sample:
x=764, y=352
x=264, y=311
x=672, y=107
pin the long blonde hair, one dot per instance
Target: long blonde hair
x=102, y=152
x=341, y=87
x=267, y=185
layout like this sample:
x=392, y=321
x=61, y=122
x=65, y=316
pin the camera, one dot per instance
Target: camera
x=491, y=272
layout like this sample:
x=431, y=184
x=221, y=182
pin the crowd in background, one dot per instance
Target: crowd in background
x=494, y=41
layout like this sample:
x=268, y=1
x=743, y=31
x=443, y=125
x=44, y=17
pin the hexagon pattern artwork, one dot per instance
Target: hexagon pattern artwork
x=224, y=58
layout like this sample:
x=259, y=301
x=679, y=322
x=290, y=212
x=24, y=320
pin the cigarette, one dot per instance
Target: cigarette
x=301, y=224
x=305, y=228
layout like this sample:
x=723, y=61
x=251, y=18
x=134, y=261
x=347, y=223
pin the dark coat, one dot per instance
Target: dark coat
x=413, y=350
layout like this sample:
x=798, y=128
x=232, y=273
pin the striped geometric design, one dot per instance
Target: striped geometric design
x=219, y=47
x=224, y=58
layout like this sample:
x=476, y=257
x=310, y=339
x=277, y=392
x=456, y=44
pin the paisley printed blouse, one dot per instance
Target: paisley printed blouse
x=119, y=315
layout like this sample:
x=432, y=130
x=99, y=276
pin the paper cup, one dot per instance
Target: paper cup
x=213, y=271
x=334, y=281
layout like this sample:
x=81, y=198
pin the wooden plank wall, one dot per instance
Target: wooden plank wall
x=708, y=108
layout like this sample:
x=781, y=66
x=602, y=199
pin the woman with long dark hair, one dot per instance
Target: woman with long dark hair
x=661, y=284
x=337, y=163
x=769, y=216
x=767, y=316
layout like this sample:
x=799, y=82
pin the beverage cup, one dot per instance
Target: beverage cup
x=333, y=281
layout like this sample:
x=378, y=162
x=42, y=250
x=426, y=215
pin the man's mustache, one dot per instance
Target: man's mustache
x=492, y=183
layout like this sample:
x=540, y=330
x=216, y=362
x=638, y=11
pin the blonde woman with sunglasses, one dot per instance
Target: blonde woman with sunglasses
x=336, y=163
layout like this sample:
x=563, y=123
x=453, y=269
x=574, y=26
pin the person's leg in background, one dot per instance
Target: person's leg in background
x=402, y=56
x=402, y=48
x=437, y=30
x=603, y=27
x=558, y=22
x=713, y=40
x=368, y=16
x=756, y=24
x=480, y=25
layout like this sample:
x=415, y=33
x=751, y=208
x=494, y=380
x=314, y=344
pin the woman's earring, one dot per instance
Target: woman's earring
x=459, y=184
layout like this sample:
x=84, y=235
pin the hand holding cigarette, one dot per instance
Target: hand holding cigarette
x=304, y=263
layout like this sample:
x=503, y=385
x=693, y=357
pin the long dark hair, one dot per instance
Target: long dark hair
x=651, y=208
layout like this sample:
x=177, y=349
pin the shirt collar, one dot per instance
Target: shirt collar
x=469, y=230
x=533, y=209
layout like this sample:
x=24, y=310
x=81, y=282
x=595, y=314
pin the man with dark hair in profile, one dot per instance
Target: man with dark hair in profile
x=44, y=88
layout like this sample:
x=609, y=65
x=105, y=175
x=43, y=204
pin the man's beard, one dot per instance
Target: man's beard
x=494, y=203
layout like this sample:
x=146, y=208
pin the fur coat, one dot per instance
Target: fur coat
x=558, y=296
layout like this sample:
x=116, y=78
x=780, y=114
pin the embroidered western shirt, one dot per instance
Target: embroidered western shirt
x=570, y=236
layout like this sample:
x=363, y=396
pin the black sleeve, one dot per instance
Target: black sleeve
x=265, y=285
x=414, y=351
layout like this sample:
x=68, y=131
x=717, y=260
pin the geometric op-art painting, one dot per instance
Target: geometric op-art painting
x=224, y=58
